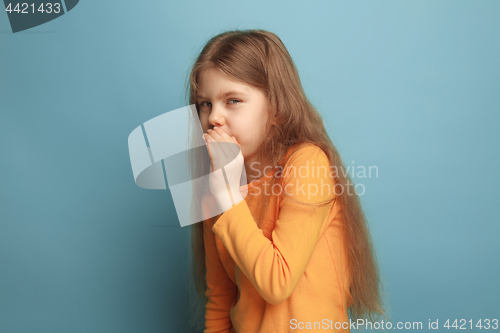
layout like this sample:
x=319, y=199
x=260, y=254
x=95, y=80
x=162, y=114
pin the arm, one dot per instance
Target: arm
x=275, y=268
x=221, y=290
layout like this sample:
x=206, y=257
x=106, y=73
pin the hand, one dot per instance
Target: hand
x=225, y=157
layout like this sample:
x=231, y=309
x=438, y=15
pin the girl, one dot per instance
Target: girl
x=294, y=253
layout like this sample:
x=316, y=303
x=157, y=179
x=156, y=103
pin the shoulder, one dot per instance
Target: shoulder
x=307, y=175
x=307, y=151
x=306, y=158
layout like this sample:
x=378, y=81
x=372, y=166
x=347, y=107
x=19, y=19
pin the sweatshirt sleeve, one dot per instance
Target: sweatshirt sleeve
x=221, y=290
x=276, y=267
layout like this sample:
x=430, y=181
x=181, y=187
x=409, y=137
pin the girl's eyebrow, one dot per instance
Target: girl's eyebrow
x=222, y=95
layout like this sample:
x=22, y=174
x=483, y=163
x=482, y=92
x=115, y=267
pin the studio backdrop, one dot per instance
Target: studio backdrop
x=408, y=91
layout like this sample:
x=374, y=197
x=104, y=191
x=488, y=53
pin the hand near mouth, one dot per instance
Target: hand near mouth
x=225, y=158
x=219, y=135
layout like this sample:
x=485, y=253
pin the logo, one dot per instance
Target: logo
x=29, y=14
x=168, y=151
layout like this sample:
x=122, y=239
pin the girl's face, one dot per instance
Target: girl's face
x=237, y=108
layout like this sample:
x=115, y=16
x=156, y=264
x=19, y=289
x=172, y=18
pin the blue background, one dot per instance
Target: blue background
x=411, y=87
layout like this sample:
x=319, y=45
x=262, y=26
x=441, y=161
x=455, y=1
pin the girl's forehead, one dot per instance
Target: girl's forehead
x=215, y=73
x=220, y=84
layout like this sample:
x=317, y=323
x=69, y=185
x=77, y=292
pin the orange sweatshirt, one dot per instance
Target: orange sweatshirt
x=287, y=272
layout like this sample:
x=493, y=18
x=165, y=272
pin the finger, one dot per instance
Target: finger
x=221, y=133
x=216, y=153
x=220, y=137
x=212, y=134
x=232, y=150
x=235, y=147
x=212, y=152
x=216, y=134
x=226, y=136
x=210, y=155
x=219, y=154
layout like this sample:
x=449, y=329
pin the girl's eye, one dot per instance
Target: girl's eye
x=210, y=104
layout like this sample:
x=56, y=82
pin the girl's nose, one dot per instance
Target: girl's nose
x=216, y=121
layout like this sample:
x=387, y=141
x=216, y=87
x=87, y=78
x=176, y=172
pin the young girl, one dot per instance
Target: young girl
x=295, y=253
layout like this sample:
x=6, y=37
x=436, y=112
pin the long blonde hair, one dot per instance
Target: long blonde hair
x=259, y=58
